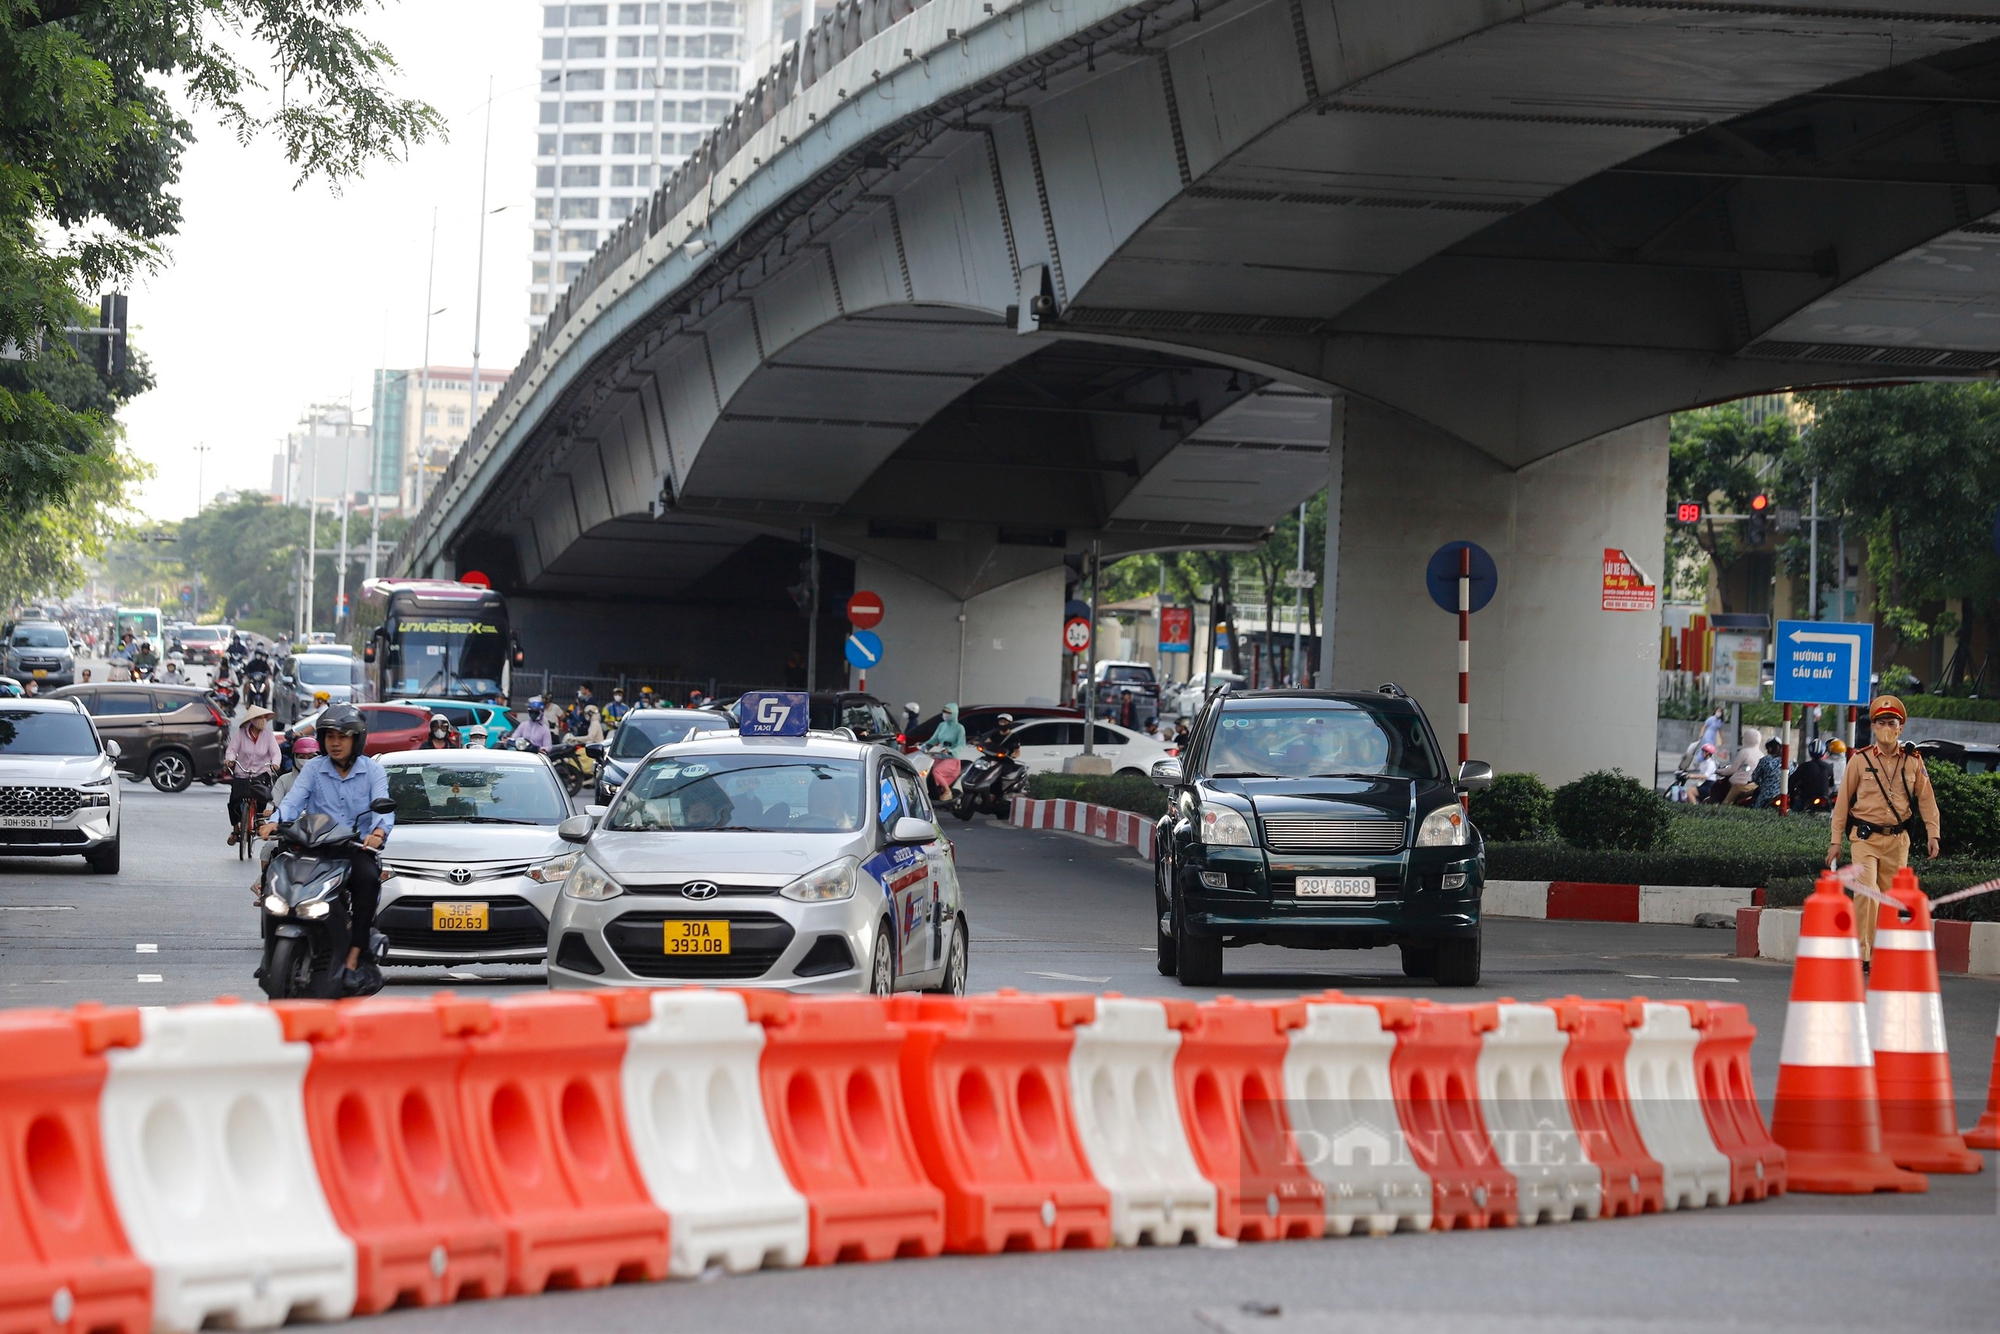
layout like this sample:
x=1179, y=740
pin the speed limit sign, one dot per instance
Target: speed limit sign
x=1076, y=634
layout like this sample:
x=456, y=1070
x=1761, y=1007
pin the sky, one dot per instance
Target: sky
x=273, y=298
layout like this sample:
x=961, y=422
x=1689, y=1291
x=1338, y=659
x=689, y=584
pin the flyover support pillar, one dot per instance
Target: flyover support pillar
x=1566, y=687
x=1000, y=646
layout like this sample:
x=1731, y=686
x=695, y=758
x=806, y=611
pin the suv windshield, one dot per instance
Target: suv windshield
x=1137, y=676
x=751, y=793
x=864, y=716
x=40, y=636
x=478, y=793
x=636, y=736
x=1330, y=739
x=45, y=732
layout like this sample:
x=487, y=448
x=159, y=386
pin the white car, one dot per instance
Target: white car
x=1047, y=742
x=58, y=790
x=471, y=870
x=805, y=863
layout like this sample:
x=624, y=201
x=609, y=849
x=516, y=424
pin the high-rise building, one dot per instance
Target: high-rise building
x=326, y=458
x=627, y=92
x=401, y=398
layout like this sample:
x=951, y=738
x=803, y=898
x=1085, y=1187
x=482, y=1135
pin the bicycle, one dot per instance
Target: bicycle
x=256, y=794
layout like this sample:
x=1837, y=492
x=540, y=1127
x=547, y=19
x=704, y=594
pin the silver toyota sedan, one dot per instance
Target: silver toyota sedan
x=807, y=863
x=471, y=871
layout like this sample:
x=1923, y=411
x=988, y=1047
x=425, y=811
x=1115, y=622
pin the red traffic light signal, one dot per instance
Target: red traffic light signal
x=1687, y=512
x=1759, y=503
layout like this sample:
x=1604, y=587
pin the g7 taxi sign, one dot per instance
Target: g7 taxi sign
x=772, y=713
x=1823, y=662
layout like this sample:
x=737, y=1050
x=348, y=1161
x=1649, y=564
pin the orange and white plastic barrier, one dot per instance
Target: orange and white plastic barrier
x=238, y=1164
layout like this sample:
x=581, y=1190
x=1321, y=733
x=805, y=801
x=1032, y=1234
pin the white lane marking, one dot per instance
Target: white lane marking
x=1067, y=977
x=37, y=907
x=151, y=977
x=1650, y=977
x=1704, y=979
x=146, y=949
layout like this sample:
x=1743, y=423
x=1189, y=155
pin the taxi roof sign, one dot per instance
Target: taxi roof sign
x=773, y=713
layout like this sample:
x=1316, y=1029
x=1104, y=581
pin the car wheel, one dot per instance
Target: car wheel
x=1458, y=962
x=1163, y=917
x=103, y=860
x=171, y=771
x=957, y=960
x=882, y=964
x=1419, y=960
x=1197, y=959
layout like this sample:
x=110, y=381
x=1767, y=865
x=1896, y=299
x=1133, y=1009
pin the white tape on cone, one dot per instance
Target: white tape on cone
x=1831, y=1033
x=1829, y=947
x=1905, y=1021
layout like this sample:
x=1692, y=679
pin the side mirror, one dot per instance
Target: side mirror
x=383, y=805
x=112, y=748
x=576, y=829
x=909, y=829
x=1166, y=773
x=1474, y=775
x=595, y=750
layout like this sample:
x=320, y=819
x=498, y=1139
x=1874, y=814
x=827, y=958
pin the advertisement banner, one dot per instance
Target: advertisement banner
x=1626, y=587
x=1176, y=629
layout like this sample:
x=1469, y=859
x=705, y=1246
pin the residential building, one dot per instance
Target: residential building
x=627, y=92
x=326, y=458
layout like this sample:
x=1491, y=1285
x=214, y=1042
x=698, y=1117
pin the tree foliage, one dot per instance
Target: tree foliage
x=1719, y=458
x=90, y=148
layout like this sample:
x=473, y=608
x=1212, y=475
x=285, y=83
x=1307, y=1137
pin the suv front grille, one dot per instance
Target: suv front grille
x=756, y=940
x=54, y=802
x=1320, y=833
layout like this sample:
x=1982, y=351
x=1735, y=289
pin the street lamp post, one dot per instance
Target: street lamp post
x=200, y=459
x=479, y=276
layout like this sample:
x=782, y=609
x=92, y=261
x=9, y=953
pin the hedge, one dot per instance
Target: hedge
x=1555, y=861
x=1943, y=876
x=1124, y=792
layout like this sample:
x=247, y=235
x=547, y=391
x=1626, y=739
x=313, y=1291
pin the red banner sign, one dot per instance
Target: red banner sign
x=1626, y=587
x=1176, y=629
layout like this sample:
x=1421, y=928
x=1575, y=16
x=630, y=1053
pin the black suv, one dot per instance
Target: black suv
x=1317, y=820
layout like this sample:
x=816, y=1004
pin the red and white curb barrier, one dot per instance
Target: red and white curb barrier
x=1576, y=901
x=1081, y=817
x=245, y=1164
x=1962, y=947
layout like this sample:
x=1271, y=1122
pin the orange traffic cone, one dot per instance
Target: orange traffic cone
x=1986, y=1135
x=1826, y=1114
x=1906, y=1030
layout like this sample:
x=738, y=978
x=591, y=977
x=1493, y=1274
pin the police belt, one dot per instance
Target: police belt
x=1863, y=829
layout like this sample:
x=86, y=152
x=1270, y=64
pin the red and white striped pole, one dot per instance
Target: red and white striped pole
x=1464, y=654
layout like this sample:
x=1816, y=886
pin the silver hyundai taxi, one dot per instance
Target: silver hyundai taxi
x=809, y=863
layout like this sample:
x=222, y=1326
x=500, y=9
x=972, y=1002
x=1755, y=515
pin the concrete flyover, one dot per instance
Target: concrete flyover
x=970, y=285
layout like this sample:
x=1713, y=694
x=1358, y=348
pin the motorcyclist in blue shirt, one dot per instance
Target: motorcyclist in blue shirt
x=339, y=783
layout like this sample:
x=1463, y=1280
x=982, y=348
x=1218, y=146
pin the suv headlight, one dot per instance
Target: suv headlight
x=1445, y=827
x=555, y=870
x=833, y=881
x=587, y=881
x=1224, y=828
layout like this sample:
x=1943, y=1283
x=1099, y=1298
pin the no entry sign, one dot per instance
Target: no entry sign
x=864, y=610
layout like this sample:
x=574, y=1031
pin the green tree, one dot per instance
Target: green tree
x=90, y=148
x=1915, y=467
x=1720, y=459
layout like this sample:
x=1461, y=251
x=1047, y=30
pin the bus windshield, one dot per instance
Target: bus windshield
x=444, y=655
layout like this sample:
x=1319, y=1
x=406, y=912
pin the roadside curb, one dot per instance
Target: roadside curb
x=1578, y=901
x=1133, y=830
x=1971, y=948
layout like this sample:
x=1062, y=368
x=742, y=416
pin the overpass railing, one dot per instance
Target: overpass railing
x=835, y=37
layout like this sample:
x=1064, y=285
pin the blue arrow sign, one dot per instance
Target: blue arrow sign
x=864, y=648
x=1823, y=662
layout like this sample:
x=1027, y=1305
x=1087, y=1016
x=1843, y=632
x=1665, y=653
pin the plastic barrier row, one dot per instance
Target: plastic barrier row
x=244, y=1165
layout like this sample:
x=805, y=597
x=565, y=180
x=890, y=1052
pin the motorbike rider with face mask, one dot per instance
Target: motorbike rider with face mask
x=339, y=783
x=534, y=731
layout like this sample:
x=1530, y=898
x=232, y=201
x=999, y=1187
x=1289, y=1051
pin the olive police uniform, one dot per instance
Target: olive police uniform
x=1885, y=800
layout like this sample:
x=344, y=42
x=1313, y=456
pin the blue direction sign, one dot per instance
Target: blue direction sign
x=773, y=713
x=1823, y=662
x=864, y=648
x=1441, y=576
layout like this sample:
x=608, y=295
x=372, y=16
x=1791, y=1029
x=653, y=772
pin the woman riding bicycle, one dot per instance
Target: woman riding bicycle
x=251, y=763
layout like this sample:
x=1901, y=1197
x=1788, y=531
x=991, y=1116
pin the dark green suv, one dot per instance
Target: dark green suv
x=1318, y=820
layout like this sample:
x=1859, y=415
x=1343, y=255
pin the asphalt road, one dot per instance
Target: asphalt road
x=1058, y=912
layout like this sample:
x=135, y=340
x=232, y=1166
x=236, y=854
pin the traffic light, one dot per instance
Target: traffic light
x=1687, y=511
x=802, y=591
x=1760, y=512
x=111, y=346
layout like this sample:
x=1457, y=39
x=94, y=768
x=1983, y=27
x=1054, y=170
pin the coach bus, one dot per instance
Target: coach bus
x=438, y=639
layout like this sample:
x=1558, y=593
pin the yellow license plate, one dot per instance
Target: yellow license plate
x=684, y=936
x=458, y=917
x=41, y=671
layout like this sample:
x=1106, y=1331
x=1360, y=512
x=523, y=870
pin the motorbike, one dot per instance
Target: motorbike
x=302, y=897
x=225, y=697
x=988, y=784
x=568, y=758
x=257, y=690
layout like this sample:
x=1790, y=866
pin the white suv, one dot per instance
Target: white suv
x=58, y=790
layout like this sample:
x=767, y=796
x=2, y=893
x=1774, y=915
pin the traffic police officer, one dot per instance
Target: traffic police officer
x=1885, y=798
